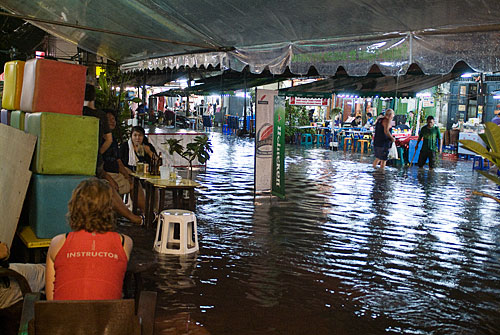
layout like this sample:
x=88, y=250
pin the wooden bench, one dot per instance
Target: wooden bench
x=34, y=245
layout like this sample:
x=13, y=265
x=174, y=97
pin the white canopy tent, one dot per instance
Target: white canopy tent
x=233, y=34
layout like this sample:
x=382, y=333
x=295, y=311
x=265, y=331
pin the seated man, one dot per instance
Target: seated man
x=116, y=173
x=105, y=140
x=10, y=291
x=369, y=121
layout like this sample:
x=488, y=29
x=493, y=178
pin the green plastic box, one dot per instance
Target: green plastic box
x=67, y=144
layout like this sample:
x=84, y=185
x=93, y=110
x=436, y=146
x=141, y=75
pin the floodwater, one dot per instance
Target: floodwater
x=351, y=250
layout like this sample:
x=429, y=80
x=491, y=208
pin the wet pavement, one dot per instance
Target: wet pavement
x=351, y=250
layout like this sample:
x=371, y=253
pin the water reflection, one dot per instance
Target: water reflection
x=351, y=250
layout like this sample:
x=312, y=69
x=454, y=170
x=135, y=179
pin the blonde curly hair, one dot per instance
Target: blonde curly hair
x=90, y=207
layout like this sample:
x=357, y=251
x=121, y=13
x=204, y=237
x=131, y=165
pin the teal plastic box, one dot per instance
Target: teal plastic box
x=17, y=119
x=48, y=203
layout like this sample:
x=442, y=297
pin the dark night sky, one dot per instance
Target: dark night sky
x=22, y=36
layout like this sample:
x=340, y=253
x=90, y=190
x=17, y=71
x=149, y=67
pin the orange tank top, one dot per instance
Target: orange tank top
x=90, y=266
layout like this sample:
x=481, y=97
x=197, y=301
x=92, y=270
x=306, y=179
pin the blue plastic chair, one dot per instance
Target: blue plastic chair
x=307, y=139
x=320, y=139
x=482, y=163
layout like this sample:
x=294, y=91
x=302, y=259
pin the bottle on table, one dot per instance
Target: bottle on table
x=160, y=161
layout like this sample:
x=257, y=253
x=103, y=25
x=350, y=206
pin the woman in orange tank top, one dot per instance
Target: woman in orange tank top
x=90, y=262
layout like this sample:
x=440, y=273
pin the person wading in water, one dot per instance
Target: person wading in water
x=383, y=139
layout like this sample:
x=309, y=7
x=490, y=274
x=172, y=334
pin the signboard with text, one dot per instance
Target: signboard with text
x=264, y=139
x=308, y=101
x=428, y=102
x=278, y=178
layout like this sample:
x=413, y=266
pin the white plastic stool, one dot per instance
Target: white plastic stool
x=179, y=234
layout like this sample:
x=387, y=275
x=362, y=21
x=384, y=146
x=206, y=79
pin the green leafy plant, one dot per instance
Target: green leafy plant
x=110, y=94
x=200, y=149
x=174, y=146
x=491, y=152
x=296, y=116
x=335, y=111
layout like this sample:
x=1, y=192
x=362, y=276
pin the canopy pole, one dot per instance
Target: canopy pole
x=189, y=92
x=245, y=103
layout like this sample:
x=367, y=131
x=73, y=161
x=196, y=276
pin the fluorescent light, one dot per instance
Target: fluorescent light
x=496, y=97
x=424, y=95
x=467, y=75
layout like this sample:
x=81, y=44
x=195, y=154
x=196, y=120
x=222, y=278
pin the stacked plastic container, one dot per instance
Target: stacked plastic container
x=45, y=98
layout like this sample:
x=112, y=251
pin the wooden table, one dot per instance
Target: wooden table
x=137, y=178
x=177, y=187
x=153, y=183
x=34, y=245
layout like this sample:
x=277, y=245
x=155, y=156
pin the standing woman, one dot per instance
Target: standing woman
x=90, y=262
x=137, y=149
x=383, y=139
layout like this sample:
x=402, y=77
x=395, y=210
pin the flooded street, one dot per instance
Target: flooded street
x=351, y=250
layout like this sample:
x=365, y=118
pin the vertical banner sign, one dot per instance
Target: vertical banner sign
x=278, y=181
x=264, y=139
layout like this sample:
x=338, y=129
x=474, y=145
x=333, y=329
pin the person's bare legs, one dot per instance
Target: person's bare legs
x=141, y=195
x=141, y=198
x=382, y=164
x=375, y=162
x=123, y=210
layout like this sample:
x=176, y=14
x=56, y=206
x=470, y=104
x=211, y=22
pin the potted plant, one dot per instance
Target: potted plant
x=199, y=149
x=491, y=152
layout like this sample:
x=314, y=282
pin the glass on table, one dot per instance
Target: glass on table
x=173, y=175
x=140, y=168
x=164, y=172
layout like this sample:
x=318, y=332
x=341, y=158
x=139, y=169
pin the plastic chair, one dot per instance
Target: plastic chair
x=328, y=139
x=89, y=316
x=11, y=315
x=361, y=144
x=347, y=142
x=320, y=139
x=297, y=138
x=480, y=163
x=176, y=233
x=306, y=139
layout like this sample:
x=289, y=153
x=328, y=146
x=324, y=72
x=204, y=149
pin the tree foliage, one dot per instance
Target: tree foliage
x=110, y=94
x=200, y=149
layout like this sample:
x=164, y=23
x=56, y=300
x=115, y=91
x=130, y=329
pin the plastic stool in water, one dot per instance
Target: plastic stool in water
x=320, y=139
x=361, y=144
x=328, y=139
x=307, y=139
x=347, y=142
x=482, y=163
x=297, y=138
x=176, y=233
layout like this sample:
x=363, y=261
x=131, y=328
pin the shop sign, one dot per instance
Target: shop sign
x=309, y=101
x=428, y=102
x=264, y=139
x=278, y=175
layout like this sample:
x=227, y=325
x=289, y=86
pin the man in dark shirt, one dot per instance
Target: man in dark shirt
x=105, y=137
x=432, y=140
